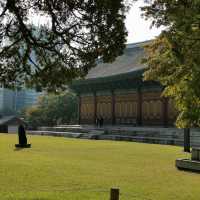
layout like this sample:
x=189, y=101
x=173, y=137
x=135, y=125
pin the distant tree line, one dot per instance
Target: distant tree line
x=52, y=109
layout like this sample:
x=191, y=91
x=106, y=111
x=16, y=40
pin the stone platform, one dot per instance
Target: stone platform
x=192, y=164
x=187, y=164
x=155, y=135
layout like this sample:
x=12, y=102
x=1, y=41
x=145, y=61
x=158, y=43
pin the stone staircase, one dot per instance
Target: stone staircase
x=155, y=135
x=70, y=131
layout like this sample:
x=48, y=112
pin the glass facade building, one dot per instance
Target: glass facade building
x=18, y=99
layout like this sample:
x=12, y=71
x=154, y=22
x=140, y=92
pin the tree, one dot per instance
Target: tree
x=174, y=57
x=49, y=56
x=53, y=109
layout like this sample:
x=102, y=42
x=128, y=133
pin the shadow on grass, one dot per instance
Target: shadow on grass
x=18, y=149
x=192, y=171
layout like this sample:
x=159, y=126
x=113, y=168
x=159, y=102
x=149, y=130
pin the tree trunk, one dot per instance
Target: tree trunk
x=186, y=140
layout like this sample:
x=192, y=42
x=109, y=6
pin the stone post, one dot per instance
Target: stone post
x=114, y=194
x=186, y=140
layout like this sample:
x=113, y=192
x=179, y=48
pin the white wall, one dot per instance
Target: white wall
x=12, y=128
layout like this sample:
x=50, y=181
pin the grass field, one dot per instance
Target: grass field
x=60, y=168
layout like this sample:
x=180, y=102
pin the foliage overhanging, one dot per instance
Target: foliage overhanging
x=74, y=33
x=174, y=57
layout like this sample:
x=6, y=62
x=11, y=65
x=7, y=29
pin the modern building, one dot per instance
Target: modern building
x=15, y=100
x=117, y=93
x=7, y=99
x=26, y=98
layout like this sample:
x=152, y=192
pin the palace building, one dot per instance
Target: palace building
x=117, y=93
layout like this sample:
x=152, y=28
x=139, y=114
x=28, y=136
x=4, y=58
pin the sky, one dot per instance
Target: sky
x=138, y=28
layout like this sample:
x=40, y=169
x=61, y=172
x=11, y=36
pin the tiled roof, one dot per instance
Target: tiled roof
x=130, y=61
x=9, y=119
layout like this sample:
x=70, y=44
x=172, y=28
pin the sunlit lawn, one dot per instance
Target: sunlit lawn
x=60, y=168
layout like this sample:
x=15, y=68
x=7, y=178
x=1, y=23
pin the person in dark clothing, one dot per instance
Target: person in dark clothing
x=101, y=121
x=22, y=135
x=97, y=122
x=22, y=138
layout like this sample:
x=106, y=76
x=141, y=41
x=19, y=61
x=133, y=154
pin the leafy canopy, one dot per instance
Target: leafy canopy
x=174, y=57
x=64, y=47
x=52, y=110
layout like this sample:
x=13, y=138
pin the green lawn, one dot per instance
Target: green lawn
x=59, y=168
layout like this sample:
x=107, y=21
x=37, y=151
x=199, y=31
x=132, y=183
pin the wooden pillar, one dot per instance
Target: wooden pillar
x=79, y=109
x=113, y=108
x=165, y=111
x=139, y=107
x=95, y=107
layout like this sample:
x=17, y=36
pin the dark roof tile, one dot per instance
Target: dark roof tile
x=128, y=62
